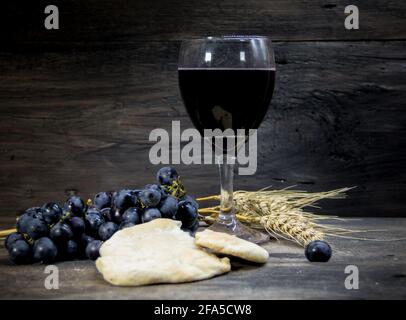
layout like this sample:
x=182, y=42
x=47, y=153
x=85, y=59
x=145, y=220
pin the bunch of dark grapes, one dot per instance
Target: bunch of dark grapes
x=77, y=230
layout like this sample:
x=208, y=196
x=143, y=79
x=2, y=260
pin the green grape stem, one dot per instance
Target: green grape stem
x=27, y=238
x=176, y=189
x=66, y=216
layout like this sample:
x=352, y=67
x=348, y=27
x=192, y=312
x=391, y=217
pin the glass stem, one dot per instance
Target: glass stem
x=227, y=212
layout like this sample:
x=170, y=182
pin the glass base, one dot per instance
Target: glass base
x=234, y=227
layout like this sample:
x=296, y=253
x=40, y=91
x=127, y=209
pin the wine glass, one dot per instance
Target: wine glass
x=227, y=83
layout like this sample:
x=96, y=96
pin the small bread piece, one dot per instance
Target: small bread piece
x=156, y=252
x=231, y=245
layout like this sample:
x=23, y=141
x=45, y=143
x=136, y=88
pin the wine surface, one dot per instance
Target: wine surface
x=226, y=98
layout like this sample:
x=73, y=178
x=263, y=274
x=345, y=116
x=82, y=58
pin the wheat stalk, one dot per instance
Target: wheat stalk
x=280, y=213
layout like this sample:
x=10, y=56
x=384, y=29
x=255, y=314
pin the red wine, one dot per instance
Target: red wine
x=226, y=98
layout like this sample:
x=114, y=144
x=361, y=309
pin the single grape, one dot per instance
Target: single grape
x=166, y=175
x=20, y=252
x=123, y=199
x=44, y=250
x=102, y=200
x=61, y=233
x=168, y=207
x=150, y=214
x=75, y=205
x=186, y=213
x=37, y=228
x=150, y=197
x=107, y=230
x=77, y=225
x=92, y=249
x=318, y=251
x=11, y=238
x=93, y=223
x=51, y=212
x=132, y=215
x=191, y=200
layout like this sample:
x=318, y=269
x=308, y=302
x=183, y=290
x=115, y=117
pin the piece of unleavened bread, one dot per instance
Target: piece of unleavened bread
x=156, y=252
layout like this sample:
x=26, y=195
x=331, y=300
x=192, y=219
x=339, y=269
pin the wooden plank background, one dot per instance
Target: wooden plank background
x=77, y=104
x=165, y=20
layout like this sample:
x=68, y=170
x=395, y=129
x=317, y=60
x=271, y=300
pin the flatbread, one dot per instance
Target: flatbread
x=231, y=245
x=156, y=252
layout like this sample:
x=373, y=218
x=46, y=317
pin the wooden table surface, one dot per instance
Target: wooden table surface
x=287, y=275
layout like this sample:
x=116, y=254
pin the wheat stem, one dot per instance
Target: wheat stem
x=5, y=233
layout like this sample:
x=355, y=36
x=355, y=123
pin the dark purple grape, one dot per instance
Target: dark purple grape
x=92, y=249
x=20, y=252
x=61, y=233
x=44, y=250
x=168, y=207
x=166, y=175
x=76, y=206
x=187, y=213
x=107, y=230
x=150, y=197
x=102, y=200
x=318, y=251
x=11, y=238
x=123, y=199
x=51, y=212
x=191, y=200
x=77, y=225
x=150, y=214
x=93, y=223
x=132, y=215
x=37, y=228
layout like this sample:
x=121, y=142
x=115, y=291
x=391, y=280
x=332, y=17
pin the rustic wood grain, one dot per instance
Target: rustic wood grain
x=77, y=118
x=127, y=21
x=77, y=105
x=287, y=275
